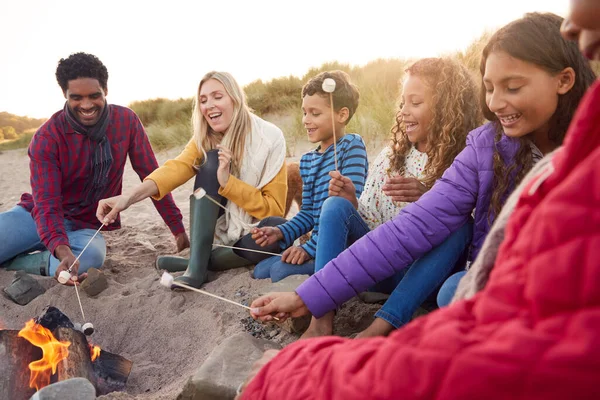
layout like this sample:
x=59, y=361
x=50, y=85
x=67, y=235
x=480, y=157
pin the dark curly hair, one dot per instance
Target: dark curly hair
x=535, y=39
x=81, y=65
x=345, y=93
x=454, y=113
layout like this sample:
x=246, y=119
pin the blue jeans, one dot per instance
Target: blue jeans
x=448, y=289
x=18, y=235
x=412, y=286
x=340, y=226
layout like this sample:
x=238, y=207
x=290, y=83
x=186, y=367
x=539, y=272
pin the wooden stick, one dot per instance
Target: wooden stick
x=224, y=208
x=86, y=246
x=333, y=127
x=243, y=249
x=183, y=285
x=78, y=363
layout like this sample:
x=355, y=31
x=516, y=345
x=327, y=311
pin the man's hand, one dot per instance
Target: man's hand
x=295, y=255
x=342, y=186
x=224, y=170
x=182, y=241
x=266, y=235
x=280, y=304
x=67, y=258
x=403, y=189
x=256, y=367
x=109, y=209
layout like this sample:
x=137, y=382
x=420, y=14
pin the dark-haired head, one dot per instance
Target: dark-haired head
x=81, y=65
x=345, y=95
x=535, y=40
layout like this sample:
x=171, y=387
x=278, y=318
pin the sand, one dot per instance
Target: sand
x=166, y=334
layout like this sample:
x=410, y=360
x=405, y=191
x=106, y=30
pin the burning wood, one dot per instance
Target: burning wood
x=50, y=349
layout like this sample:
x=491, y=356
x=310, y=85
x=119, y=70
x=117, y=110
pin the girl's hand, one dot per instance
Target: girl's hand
x=402, y=189
x=223, y=172
x=266, y=236
x=109, y=209
x=281, y=304
x=295, y=255
x=342, y=186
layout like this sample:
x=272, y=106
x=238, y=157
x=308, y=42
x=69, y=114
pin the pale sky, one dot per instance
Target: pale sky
x=162, y=49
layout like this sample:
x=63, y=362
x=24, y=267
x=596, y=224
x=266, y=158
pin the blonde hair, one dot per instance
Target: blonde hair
x=455, y=112
x=241, y=124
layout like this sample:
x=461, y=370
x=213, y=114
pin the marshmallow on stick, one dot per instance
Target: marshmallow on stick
x=328, y=86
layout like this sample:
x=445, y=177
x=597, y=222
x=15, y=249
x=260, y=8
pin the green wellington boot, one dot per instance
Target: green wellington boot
x=175, y=263
x=34, y=263
x=205, y=214
x=223, y=258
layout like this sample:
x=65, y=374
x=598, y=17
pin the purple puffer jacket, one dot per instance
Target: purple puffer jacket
x=419, y=227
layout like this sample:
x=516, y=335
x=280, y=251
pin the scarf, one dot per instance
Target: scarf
x=101, y=159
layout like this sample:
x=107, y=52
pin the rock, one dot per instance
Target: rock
x=95, y=282
x=226, y=368
x=289, y=284
x=70, y=389
x=23, y=288
x=373, y=297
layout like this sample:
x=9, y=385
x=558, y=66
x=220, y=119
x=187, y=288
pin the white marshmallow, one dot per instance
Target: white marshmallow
x=87, y=328
x=166, y=279
x=328, y=85
x=64, y=277
x=199, y=193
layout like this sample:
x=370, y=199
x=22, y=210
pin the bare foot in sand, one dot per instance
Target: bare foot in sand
x=379, y=327
x=320, y=327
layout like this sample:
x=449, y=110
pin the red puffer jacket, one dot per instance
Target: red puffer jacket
x=532, y=333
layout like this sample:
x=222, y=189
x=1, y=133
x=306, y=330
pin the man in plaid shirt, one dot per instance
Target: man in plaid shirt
x=77, y=158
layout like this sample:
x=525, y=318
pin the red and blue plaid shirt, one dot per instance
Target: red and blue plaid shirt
x=60, y=169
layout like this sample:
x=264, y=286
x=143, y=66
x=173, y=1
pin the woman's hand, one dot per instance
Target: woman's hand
x=342, y=186
x=280, y=304
x=109, y=209
x=404, y=189
x=266, y=235
x=224, y=170
x=295, y=255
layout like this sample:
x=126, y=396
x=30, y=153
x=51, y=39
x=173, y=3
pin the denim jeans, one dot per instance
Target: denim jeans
x=18, y=235
x=340, y=226
x=448, y=289
x=412, y=286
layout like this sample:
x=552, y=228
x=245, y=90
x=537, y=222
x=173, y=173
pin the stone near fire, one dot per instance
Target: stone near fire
x=226, y=368
x=23, y=288
x=70, y=389
x=95, y=282
x=289, y=284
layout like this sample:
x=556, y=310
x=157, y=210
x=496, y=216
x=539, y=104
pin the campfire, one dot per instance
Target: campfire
x=50, y=349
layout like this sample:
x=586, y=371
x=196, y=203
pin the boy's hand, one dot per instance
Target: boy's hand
x=342, y=186
x=404, y=189
x=266, y=236
x=295, y=255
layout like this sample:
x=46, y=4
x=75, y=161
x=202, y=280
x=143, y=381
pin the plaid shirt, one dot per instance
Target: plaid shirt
x=60, y=168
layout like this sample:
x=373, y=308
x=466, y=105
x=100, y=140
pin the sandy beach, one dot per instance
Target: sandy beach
x=166, y=334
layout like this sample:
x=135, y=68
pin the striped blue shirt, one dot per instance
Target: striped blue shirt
x=314, y=170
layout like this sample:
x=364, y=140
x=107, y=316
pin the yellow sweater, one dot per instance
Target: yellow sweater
x=259, y=203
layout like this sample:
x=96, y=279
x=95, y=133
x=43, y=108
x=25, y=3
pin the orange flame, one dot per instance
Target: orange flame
x=94, y=352
x=53, y=352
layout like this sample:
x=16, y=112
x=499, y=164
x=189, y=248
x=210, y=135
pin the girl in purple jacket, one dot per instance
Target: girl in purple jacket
x=532, y=82
x=438, y=108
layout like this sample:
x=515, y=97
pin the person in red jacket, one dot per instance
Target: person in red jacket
x=531, y=333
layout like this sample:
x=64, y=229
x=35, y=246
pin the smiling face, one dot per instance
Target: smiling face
x=216, y=105
x=583, y=25
x=86, y=99
x=417, y=100
x=522, y=95
x=316, y=118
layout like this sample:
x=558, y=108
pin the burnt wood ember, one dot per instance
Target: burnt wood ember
x=54, y=318
x=78, y=363
x=15, y=355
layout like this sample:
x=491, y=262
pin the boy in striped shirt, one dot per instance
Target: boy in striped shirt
x=315, y=167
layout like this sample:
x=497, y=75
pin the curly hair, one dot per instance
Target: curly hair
x=81, y=65
x=345, y=94
x=455, y=112
x=535, y=39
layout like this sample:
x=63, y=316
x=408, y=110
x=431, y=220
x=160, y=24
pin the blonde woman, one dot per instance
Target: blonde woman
x=239, y=159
